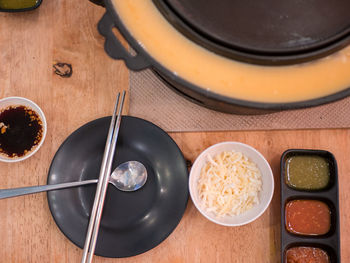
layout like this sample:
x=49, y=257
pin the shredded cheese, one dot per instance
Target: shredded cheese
x=229, y=184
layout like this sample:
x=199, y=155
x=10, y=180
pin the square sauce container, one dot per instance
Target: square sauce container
x=304, y=181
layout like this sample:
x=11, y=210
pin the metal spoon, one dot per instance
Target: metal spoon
x=128, y=176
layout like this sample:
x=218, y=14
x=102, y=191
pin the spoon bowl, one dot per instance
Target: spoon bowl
x=129, y=176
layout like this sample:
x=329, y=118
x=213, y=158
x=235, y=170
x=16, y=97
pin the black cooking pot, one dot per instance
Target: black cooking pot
x=194, y=25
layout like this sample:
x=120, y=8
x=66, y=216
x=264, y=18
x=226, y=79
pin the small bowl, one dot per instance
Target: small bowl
x=265, y=195
x=30, y=8
x=19, y=101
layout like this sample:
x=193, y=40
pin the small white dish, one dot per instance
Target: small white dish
x=20, y=101
x=265, y=194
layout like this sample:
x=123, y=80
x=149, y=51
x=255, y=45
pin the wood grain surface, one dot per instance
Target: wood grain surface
x=65, y=31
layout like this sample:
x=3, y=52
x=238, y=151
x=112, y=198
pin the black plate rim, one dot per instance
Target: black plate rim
x=62, y=145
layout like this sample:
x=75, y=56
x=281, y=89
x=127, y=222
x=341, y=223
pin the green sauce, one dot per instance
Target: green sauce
x=17, y=4
x=307, y=172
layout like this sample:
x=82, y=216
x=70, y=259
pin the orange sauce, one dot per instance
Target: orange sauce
x=306, y=255
x=307, y=217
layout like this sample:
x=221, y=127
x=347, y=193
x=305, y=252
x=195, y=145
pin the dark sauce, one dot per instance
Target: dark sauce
x=20, y=130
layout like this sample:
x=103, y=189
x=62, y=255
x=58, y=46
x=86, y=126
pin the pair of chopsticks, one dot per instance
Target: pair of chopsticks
x=105, y=171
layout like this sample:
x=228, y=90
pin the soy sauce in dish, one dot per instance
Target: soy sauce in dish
x=20, y=130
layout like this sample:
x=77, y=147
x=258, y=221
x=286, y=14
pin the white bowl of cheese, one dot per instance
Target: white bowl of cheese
x=231, y=183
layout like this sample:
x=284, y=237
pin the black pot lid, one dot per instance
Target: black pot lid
x=287, y=31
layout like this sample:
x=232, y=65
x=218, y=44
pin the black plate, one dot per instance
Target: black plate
x=132, y=222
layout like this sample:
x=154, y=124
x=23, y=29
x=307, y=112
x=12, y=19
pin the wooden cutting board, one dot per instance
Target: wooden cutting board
x=65, y=31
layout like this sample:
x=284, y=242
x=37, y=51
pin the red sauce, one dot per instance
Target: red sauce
x=307, y=217
x=306, y=255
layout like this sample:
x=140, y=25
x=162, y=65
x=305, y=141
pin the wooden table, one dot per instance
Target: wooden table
x=65, y=31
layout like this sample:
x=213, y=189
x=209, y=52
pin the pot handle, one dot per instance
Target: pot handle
x=114, y=47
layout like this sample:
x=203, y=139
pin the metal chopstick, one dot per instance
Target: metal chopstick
x=100, y=181
x=103, y=181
